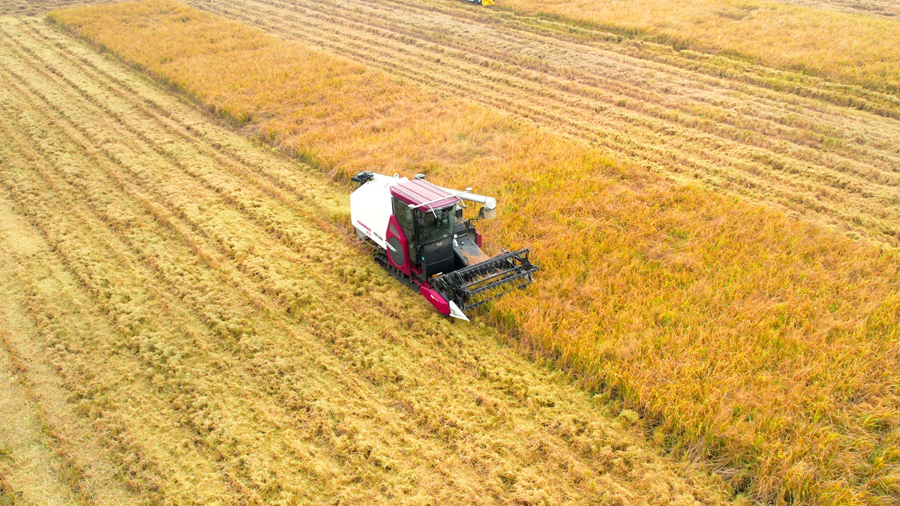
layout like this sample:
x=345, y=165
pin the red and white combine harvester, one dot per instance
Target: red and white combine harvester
x=421, y=238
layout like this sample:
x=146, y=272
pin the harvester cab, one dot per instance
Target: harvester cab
x=421, y=238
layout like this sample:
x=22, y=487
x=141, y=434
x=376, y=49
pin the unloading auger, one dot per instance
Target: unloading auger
x=421, y=238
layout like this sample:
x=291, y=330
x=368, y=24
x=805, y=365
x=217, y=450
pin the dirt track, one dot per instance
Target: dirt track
x=180, y=324
x=747, y=130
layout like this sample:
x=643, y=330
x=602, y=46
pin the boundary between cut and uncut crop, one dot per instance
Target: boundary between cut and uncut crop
x=667, y=226
x=504, y=323
x=236, y=123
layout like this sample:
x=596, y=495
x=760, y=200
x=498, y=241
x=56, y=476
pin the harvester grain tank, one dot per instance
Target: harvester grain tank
x=420, y=237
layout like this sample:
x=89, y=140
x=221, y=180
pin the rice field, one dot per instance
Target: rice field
x=185, y=319
x=762, y=345
x=817, y=149
x=807, y=36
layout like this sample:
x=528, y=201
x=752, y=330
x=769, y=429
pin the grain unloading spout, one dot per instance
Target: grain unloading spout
x=488, y=212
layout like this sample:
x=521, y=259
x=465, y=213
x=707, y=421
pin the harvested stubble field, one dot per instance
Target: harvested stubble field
x=182, y=321
x=766, y=346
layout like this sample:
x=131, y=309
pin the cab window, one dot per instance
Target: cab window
x=405, y=216
x=436, y=225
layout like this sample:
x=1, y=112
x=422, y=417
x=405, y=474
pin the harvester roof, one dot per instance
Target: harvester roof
x=423, y=195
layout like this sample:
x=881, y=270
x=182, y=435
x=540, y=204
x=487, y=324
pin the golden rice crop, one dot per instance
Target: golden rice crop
x=766, y=345
x=837, y=45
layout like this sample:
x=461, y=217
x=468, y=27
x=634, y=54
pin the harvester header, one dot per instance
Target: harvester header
x=420, y=237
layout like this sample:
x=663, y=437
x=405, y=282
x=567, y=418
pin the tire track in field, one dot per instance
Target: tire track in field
x=605, y=137
x=883, y=8
x=163, y=243
x=620, y=80
x=813, y=157
x=605, y=84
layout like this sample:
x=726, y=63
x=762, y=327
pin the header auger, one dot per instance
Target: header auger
x=421, y=238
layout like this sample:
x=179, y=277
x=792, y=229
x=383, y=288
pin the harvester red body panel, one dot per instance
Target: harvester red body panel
x=421, y=238
x=401, y=259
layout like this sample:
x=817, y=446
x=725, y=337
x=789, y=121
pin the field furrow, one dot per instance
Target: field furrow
x=687, y=116
x=520, y=98
x=249, y=353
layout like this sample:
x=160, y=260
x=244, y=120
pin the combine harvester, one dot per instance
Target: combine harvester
x=421, y=238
